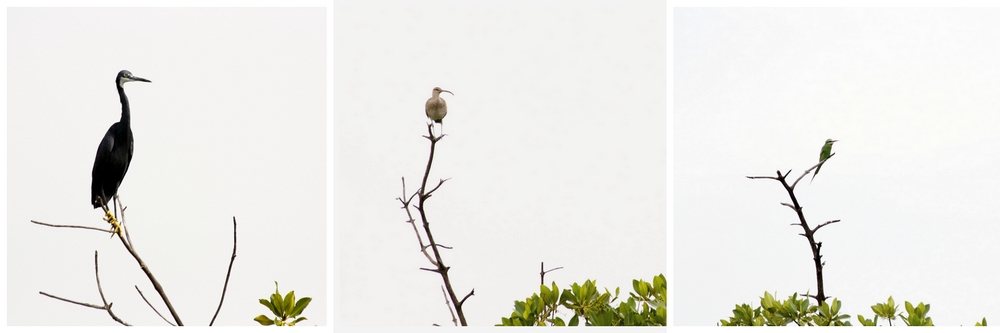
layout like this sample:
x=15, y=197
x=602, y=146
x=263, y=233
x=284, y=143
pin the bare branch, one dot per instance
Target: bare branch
x=422, y=195
x=762, y=177
x=473, y=292
x=440, y=182
x=107, y=306
x=542, y=272
x=450, y=310
x=152, y=307
x=811, y=169
x=72, y=301
x=228, y=272
x=70, y=226
x=825, y=224
x=152, y=279
x=807, y=232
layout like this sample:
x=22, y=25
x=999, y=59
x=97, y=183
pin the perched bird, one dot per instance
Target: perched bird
x=435, y=107
x=823, y=155
x=114, y=154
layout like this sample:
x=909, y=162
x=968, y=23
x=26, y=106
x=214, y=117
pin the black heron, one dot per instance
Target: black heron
x=114, y=154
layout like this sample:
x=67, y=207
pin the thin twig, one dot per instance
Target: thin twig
x=473, y=292
x=125, y=228
x=72, y=301
x=810, y=169
x=226, y=285
x=412, y=222
x=825, y=224
x=152, y=279
x=543, y=271
x=152, y=307
x=70, y=226
x=450, y=310
x=440, y=182
x=100, y=290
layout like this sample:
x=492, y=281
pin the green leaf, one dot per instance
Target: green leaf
x=279, y=305
x=264, y=320
x=299, y=306
x=288, y=303
x=270, y=306
x=559, y=322
x=297, y=321
x=575, y=321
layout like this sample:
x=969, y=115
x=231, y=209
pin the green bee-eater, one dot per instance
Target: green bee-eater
x=823, y=155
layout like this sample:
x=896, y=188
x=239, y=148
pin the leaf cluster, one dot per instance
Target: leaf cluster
x=646, y=306
x=284, y=309
x=793, y=310
x=799, y=311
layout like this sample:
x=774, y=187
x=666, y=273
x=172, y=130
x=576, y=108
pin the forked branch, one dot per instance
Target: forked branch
x=434, y=256
x=808, y=233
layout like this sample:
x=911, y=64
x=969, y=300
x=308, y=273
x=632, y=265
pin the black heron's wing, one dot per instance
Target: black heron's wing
x=110, y=164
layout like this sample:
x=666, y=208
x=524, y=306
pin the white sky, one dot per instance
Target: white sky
x=233, y=124
x=556, y=150
x=911, y=94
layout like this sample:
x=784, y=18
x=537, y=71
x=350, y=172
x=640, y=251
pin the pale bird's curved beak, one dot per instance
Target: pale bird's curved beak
x=442, y=90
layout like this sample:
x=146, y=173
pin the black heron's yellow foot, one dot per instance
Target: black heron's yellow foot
x=115, y=227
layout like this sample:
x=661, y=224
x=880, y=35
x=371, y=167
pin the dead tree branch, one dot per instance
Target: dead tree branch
x=808, y=233
x=106, y=307
x=422, y=195
x=153, y=307
x=142, y=265
x=228, y=272
x=543, y=271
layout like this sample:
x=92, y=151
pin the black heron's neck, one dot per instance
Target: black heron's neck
x=126, y=117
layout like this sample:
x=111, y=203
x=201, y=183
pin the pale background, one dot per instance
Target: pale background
x=912, y=95
x=556, y=151
x=233, y=124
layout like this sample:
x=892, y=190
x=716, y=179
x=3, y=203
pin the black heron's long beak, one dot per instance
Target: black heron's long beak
x=131, y=77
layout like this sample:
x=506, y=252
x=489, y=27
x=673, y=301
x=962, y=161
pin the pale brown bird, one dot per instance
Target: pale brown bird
x=435, y=107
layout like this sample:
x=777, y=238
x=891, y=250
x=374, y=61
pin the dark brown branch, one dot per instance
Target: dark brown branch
x=152, y=307
x=422, y=195
x=807, y=232
x=228, y=272
x=825, y=224
x=440, y=182
x=543, y=271
x=473, y=292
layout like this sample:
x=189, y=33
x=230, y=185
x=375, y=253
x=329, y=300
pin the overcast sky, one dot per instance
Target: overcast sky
x=556, y=152
x=910, y=94
x=233, y=124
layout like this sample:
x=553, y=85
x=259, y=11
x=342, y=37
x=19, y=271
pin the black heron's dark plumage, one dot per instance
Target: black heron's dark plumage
x=115, y=152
